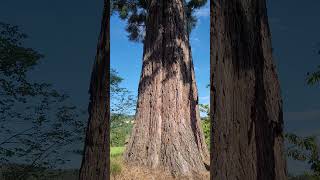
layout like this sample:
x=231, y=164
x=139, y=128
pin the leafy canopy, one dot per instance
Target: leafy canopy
x=136, y=12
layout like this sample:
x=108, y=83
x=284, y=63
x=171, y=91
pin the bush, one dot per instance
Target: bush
x=205, y=123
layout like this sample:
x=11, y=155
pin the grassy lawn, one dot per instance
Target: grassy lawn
x=116, y=165
x=116, y=151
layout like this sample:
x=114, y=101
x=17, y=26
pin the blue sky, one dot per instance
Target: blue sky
x=126, y=56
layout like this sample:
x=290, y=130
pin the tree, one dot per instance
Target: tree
x=121, y=105
x=96, y=160
x=247, y=117
x=167, y=132
x=122, y=102
x=38, y=125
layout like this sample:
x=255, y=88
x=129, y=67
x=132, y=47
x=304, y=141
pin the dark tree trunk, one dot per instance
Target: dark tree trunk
x=95, y=163
x=167, y=132
x=246, y=103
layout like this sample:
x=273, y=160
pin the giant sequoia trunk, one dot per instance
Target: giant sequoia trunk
x=167, y=132
x=247, y=115
x=95, y=163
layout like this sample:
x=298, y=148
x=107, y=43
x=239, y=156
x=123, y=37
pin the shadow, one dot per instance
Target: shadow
x=207, y=166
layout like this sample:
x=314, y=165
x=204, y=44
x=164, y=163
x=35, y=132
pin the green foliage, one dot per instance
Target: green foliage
x=120, y=130
x=305, y=149
x=205, y=123
x=205, y=109
x=136, y=12
x=206, y=130
x=122, y=103
x=314, y=77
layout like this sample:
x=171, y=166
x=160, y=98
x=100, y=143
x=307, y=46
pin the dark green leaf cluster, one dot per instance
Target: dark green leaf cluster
x=191, y=6
x=314, y=77
x=135, y=12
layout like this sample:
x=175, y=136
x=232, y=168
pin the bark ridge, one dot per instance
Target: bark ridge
x=247, y=118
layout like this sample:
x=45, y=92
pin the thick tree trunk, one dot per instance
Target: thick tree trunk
x=167, y=132
x=246, y=103
x=95, y=163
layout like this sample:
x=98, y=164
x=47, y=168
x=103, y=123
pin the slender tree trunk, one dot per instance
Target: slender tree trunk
x=167, y=132
x=246, y=102
x=95, y=163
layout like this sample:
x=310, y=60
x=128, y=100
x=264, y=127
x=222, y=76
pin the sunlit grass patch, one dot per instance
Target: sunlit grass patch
x=116, y=151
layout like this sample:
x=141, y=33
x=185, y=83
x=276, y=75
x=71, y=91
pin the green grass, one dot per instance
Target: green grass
x=116, y=160
x=116, y=151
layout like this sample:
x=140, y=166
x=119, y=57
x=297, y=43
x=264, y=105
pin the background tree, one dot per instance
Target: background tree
x=96, y=159
x=247, y=126
x=38, y=125
x=122, y=105
x=167, y=133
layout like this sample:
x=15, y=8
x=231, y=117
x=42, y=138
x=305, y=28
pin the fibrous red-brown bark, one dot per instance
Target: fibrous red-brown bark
x=167, y=132
x=246, y=103
x=95, y=163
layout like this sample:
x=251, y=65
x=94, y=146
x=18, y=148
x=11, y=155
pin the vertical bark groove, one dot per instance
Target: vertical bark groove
x=167, y=132
x=95, y=163
x=247, y=123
